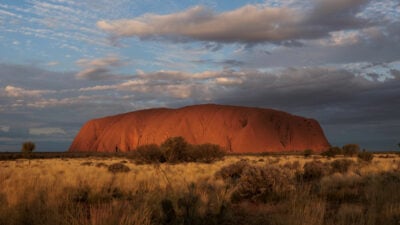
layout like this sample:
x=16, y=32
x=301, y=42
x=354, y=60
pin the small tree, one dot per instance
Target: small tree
x=28, y=147
x=351, y=149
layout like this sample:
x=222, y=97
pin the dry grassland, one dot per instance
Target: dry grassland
x=275, y=190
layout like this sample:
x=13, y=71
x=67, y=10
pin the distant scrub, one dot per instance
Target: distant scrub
x=176, y=150
x=341, y=165
x=149, y=154
x=365, y=156
x=351, y=149
x=333, y=151
x=118, y=168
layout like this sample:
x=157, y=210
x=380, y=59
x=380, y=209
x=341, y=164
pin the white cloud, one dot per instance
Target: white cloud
x=228, y=81
x=248, y=24
x=54, y=102
x=13, y=91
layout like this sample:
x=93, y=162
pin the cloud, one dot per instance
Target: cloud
x=53, y=63
x=98, y=69
x=16, y=92
x=248, y=24
x=4, y=128
x=47, y=131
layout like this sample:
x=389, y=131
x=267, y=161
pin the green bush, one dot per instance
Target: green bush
x=365, y=156
x=351, y=149
x=118, y=168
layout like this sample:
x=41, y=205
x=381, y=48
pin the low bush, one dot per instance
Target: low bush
x=365, y=156
x=333, y=151
x=101, y=164
x=175, y=149
x=341, y=165
x=313, y=171
x=205, y=153
x=150, y=154
x=262, y=184
x=231, y=173
x=291, y=165
x=351, y=149
x=87, y=163
x=118, y=168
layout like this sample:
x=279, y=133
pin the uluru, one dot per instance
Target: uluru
x=235, y=128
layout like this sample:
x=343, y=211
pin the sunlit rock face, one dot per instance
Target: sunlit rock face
x=235, y=128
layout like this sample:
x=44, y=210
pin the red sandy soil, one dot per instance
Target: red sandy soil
x=238, y=129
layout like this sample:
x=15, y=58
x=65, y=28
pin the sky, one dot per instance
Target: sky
x=64, y=62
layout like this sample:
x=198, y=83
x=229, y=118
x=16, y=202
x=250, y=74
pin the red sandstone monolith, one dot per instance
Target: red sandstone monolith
x=237, y=129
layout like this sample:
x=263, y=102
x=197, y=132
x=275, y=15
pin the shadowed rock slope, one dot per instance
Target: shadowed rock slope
x=238, y=129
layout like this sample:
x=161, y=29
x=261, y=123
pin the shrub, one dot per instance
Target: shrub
x=87, y=163
x=205, y=153
x=262, y=184
x=314, y=170
x=150, y=154
x=101, y=164
x=307, y=153
x=232, y=172
x=28, y=147
x=365, y=156
x=341, y=165
x=333, y=151
x=175, y=149
x=351, y=149
x=292, y=165
x=118, y=168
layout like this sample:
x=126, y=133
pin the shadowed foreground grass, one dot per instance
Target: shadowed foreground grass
x=236, y=190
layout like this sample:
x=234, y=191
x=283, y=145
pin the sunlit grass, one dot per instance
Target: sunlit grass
x=83, y=191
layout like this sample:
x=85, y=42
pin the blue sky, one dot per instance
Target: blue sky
x=63, y=62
